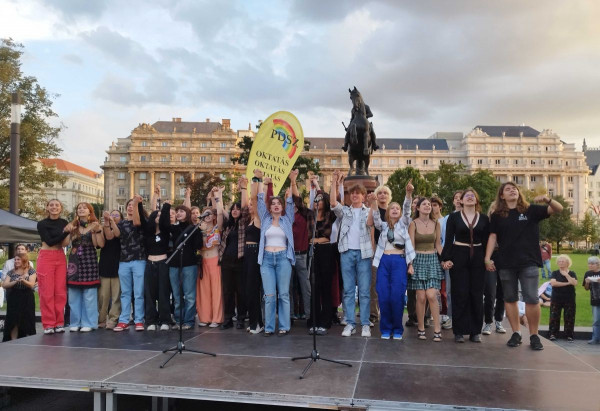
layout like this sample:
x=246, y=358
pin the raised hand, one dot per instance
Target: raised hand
x=137, y=199
x=371, y=199
x=294, y=175
x=188, y=191
x=267, y=180
x=157, y=189
x=409, y=187
x=242, y=182
x=541, y=199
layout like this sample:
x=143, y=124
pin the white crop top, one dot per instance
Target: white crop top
x=275, y=237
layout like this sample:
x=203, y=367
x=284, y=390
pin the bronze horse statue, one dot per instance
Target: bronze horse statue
x=360, y=140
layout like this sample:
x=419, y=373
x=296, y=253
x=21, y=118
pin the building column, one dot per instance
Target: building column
x=509, y=177
x=193, y=176
x=527, y=178
x=558, y=180
x=172, y=186
x=546, y=182
x=131, y=180
x=151, y=182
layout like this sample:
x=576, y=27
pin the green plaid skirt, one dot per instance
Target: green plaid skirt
x=428, y=273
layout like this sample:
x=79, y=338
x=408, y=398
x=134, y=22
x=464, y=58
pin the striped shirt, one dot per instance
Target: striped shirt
x=400, y=234
x=285, y=222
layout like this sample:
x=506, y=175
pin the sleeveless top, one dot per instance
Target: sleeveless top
x=252, y=234
x=275, y=237
x=424, y=242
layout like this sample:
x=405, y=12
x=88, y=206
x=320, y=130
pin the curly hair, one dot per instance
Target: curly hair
x=499, y=205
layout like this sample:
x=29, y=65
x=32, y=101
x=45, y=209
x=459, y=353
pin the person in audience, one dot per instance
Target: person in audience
x=591, y=282
x=20, y=301
x=563, y=283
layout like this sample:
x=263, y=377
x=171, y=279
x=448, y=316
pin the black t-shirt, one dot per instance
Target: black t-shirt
x=518, y=237
x=179, y=232
x=563, y=294
x=231, y=247
x=594, y=288
x=377, y=232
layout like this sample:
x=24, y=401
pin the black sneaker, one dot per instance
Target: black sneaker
x=515, y=340
x=409, y=323
x=459, y=338
x=535, y=343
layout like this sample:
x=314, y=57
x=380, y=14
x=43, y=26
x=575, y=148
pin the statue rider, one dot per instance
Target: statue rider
x=372, y=131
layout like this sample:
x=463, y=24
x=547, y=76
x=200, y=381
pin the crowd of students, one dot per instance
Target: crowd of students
x=462, y=270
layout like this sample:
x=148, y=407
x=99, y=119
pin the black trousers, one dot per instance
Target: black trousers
x=323, y=268
x=467, y=278
x=411, y=305
x=157, y=288
x=253, y=285
x=233, y=284
x=492, y=293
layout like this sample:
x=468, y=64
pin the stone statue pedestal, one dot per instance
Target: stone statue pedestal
x=369, y=182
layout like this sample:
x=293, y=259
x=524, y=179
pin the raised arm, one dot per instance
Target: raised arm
x=289, y=205
x=243, y=187
x=164, y=221
x=333, y=190
x=374, y=215
x=218, y=196
x=110, y=227
x=136, y=211
x=553, y=205
x=293, y=182
x=187, y=199
x=155, y=198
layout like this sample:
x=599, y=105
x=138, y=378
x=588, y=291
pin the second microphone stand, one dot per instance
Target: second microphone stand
x=314, y=354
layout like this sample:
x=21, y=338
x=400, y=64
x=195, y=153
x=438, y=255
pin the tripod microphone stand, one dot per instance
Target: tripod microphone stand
x=314, y=354
x=180, y=347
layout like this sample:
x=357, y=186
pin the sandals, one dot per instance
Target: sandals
x=421, y=334
x=437, y=337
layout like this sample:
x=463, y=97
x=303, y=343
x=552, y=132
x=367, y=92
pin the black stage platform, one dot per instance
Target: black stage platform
x=385, y=374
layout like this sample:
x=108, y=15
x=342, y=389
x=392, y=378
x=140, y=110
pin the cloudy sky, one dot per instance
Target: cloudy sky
x=422, y=66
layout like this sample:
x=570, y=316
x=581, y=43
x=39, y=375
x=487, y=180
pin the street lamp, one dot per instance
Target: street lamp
x=15, y=151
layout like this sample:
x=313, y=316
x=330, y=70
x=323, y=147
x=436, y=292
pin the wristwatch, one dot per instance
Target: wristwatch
x=256, y=180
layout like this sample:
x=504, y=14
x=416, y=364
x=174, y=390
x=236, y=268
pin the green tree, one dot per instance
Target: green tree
x=38, y=136
x=201, y=187
x=242, y=158
x=559, y=227
x=588, y=229
x=399, y=178
x=445, y=181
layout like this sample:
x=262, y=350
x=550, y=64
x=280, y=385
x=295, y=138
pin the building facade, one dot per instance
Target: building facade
x=532, y=159
x=81, y=185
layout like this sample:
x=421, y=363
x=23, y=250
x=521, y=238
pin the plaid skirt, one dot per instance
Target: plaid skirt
x=428, y=273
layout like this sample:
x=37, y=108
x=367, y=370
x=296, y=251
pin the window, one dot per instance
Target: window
x=164, y=159
x=547, y=149
x=551, y=179
x=145, y=144
x=459, y=161
x=334, y=161
x=392, y=161
x=498, y=179
x=163, y=192
x=185, y=159
x=590, y=193
x=143, y=176
x=143, y=158
x=123, y=159
x=570, y=179
x=498, y=161
x=203, y=145
x=182, y=191
x=203, y=159
x=532, y=179
x=163, y=176
x=164, y=144
x=184, y=144
x=479, y=161
x=222, y=159
x=120, y=176
x=550, y=162
x=516, y=161
x=316, y=160
x=79, y=187
x=532, y=162
x=375, y=162
x=567, y=163
x=408, y=162
x=570, y=195
x=142, y=191
x=121, y=207
x=571, y=209
x=181, y=179
x=425, y=162
x=551, y=192
x=223, y=176
x=223, y=145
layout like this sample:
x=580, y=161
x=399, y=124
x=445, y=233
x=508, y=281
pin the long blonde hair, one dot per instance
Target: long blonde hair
x=499, y=205
x=388, y=218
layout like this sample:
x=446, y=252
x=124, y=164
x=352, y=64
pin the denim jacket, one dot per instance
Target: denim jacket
x=400, y=233
x=345, y=213
x=285, y=222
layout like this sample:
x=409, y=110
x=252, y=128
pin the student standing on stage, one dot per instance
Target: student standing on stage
x=231, y=259
x=464, y=248
x=157, y=284
x=131, y=266
x=514, y=226
x=383, y=195
x=411, y=295
x=108, y=269
x=209, y=292
x=427, y=278
x=276, y=254
x=563, y=283
x=356, y=251
x=19, y=282
x=82, y=270
x=52, y=268
x=393, y=259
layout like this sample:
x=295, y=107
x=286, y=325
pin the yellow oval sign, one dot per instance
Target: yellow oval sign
x=277, y=145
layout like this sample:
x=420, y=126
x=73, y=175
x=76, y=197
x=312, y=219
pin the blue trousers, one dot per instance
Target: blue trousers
x=276, y=271
x=131, y=276
x=391, y=289
x=356, y=270
x=84, y=307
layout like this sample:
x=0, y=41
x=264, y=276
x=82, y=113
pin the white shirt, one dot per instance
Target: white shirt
x=354, y=232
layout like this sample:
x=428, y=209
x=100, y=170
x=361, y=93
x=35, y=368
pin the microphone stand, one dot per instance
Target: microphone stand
x=314, y=354
x=180, y=347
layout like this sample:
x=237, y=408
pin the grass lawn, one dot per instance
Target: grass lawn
x=583, y=314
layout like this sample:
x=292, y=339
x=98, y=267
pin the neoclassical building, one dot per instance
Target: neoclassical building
x=165, y=151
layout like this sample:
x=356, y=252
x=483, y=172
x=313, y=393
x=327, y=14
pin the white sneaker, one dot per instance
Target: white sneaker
x=366, y=331
x=348, y=330
x=202, y=324
x=343, y=321
x=371, y=324
x=164, y=327
x=214, y=325
x=446, y=325
x=499, y=328
x=487, y=329
x=49, y=331
x=257, y=330
x=74, y=329
x=58, y=330
x=151, y=327
x=85, y=329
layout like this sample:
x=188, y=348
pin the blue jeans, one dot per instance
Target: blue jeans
x=189, y=274
x=546, y=266
x=596, y=323
x=391, y=288
x=131, y=277
x=356, y=270
x=276, y=271
x=84, y=307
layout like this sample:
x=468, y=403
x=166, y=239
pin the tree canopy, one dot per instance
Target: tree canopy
x=38, y=137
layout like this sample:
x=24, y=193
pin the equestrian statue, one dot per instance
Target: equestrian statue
x=360, y=139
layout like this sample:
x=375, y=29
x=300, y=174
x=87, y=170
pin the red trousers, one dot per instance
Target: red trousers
x=52, y=286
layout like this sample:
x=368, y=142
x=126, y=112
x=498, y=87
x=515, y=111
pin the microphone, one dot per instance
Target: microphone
x=205, y=214
x=318, y=198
